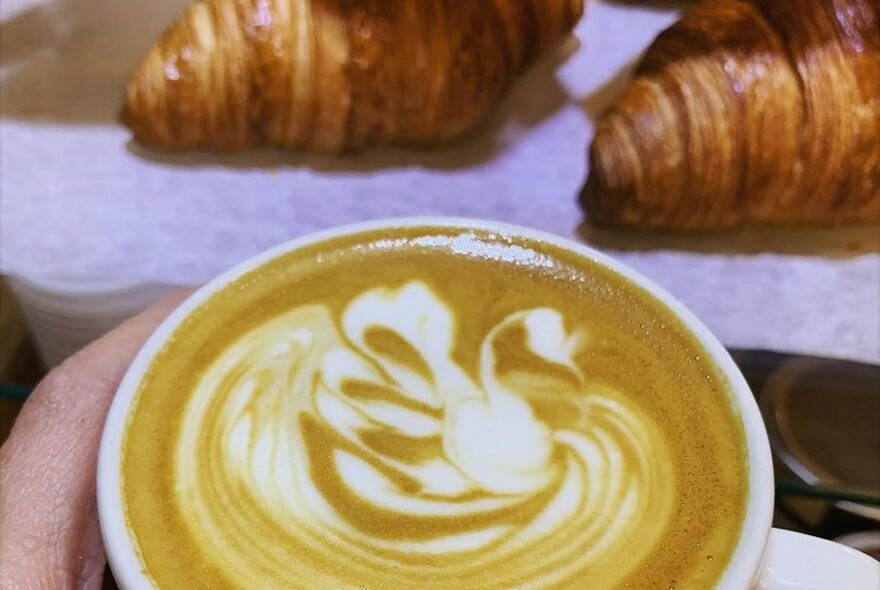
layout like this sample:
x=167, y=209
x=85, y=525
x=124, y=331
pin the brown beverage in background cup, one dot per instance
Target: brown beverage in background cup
x=433, y=406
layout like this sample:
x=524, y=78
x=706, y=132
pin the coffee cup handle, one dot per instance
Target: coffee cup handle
x=795, y=561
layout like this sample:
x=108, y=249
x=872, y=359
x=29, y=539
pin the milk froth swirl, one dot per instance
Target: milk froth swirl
x=358, y=452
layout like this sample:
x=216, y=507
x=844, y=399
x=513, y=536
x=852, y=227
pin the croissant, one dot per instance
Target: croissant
x=335, y=75
x=746, y=112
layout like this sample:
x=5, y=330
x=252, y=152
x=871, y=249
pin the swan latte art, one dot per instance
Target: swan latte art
x=433, y=408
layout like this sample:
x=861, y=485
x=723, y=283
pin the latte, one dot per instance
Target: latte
x=433, y=408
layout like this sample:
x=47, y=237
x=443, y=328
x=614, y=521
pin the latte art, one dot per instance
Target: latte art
x=345, y=450
x=432, y=408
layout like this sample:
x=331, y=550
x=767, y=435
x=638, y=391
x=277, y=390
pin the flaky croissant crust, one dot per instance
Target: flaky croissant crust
x=746, y=112
x=335, y=75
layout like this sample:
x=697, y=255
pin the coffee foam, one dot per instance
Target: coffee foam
x=437, y=408
x=337, y=449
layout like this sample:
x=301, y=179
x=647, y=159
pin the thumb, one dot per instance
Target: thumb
x=49, y=536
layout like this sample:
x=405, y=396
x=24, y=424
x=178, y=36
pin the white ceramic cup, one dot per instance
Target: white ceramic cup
x=764, y=557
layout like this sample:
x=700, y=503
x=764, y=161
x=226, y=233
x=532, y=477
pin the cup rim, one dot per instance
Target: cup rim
x=84, y=298
x=78, y=286
x=743, y=566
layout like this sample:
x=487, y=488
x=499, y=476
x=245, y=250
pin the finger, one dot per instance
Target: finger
x=49, y=536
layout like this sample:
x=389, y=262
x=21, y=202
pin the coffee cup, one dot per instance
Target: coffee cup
x=65, y=314
x=444, y=403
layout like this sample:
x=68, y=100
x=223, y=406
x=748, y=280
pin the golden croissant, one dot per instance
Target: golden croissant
x=746, y=112
x=335, y=75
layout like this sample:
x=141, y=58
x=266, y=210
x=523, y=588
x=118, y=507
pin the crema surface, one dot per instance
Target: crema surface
x=435, y=408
